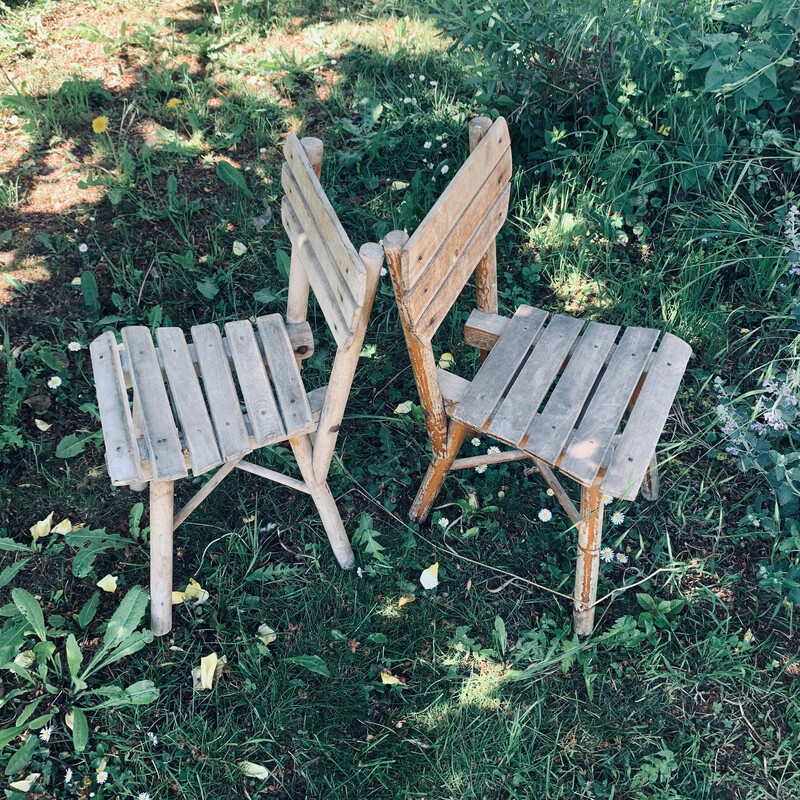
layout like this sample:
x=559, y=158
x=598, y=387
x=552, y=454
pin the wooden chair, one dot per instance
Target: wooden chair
x=190, y=414
x=555, y=388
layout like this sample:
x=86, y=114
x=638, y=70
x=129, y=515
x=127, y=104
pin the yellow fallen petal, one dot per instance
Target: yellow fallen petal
x=404, y=408
x=65, y=526
x=446, y=361
x=389, y=679
x=26, y=783
x=69, y=719
x=266, y=634
x=254, y=770
x=42, y=527
x=108, y=584
x=239, y=249
x=404, y=601
x=178, y=598
x=25, y=659
x=208, y=666
x=430, y=576
x=196, y=593
x=42, y=425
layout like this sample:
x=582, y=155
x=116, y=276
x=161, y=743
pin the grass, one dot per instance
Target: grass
x=689, y=687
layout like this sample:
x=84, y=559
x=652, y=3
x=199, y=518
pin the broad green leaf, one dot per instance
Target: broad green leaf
x=74, y=656
x=207, y=288
x=264, y=296
x=80, y=730
x=229, y=174
x=126, y=618
x=90, y=294
x=15, y=283
x=31, y=610
x=22, y=757
x=11, y=546
x=27, y=712
x=90, y=544
x=86, y=614
x=11, y=637
x=311, y=663
x=73, y=445
x=10, y=572
x=284, y=262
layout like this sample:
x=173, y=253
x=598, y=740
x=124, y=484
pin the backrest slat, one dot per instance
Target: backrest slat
x=490, y=161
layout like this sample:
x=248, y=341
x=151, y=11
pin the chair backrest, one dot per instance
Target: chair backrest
x=440, y=257
x=322, y=254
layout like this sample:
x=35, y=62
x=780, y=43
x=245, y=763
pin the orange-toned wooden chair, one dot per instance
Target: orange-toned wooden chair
x=208, y=403
x=556, y=388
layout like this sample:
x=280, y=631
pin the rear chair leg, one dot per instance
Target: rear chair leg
x=326, y=505
x=590, y=531
x=437, y=472
x=161, y=503
x=651, y=487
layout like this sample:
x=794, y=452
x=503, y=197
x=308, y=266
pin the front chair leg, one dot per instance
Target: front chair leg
x=161, y=503
x=590, y=531
x=437, y=472
x=326, y=505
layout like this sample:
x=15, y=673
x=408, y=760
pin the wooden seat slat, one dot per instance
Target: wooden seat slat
x=187, y=397
x=497, y=372
x=292, y=397
x=587, y=447
x=122, y=452
x=638, y=441
x=221, y=395
x=548, y=431
x=155, y=412
x=526, y=394
x=262, y=410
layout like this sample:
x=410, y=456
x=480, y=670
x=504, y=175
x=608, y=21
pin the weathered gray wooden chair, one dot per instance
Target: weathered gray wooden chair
x=190, y=414
x=554, y=387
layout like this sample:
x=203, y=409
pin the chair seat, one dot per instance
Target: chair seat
x=196, y=405
x=559, y=388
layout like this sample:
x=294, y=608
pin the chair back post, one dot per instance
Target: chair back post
x=423, y=362
x=297, y=302
x=486, y=271
x=344, y=367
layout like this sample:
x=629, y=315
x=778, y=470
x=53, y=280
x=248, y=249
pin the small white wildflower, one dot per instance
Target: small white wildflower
x=74, y=230
x=439, y=138
x=91, y=219
x=384, y=271
x=492, y=450
x=143, y=796
x=422, y=77
x=262, y=150
x=74, y=346
x=120, y=347
x=607, y=498
x=550, y=492
x=617, y=518
x=480, y=469
x=428, y=145
x=445, y=169
x=341, y=9
x=444, y=522
x=606, y=554
x=545, y=515
x=217, y=19
x=406, y=99
x=153, y=738
x=102, y=776
x=13, y=119
x=433, y=83
x=360, y=572
x=68, y=775
x=45, y=733
x=622, y=558
x=83, y=247
x=475, y=441
x=334, y=62
x=54, y=382
x=444, y=145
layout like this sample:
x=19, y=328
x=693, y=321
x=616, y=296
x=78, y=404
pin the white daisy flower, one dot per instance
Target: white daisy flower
x=444, y=145
x=74, y=346
x=439, y=138
x=622, y=558
x=607, y=498
x=433, y=83
x=606, y=554
x=617, y=518
x=384, y=271
x=120, y=347
x=422, y=77
x=262, y=150
x=475, y=441
x=406, y=99
x=492, y=450
x=480, y=469
x=445, y=169
x=217, y=19
x=444, y=522
x=45, y=733
x=68, y=775
x=83, y=247
x=545, y=515
x=550, y=492
x=143, y=796
x=102, y=776
x=54, y=382
x=153, y=738
x=428, y=145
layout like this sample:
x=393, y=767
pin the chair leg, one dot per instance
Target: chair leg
x=437, y=472
x=590, y=531
x=326, y=505
x=651, y=486
x=161, y=503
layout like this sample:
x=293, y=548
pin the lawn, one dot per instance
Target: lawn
x=656, y=165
